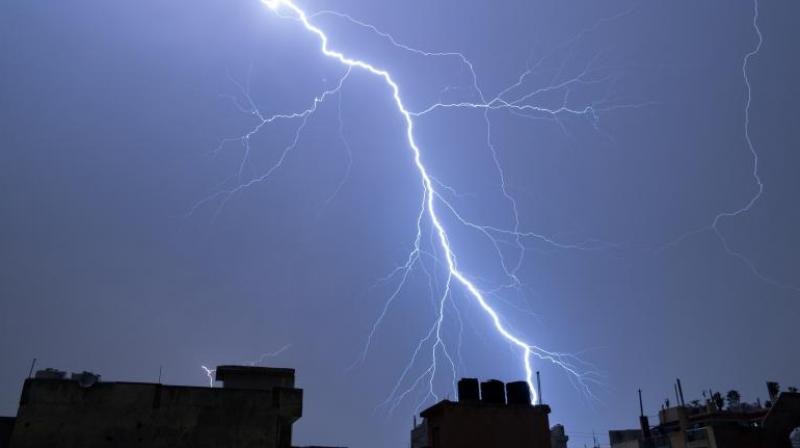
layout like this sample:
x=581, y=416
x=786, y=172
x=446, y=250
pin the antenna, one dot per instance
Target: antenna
x=33, y=364
x=160, y=368
x=641, y=406
x=644, y=422
x=677, y=397
x=680, y=391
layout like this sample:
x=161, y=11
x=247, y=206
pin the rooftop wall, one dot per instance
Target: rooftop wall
x=62, y=413
x=467, y=425
x=245, y=377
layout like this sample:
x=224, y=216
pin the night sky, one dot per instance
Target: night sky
x=111, y=117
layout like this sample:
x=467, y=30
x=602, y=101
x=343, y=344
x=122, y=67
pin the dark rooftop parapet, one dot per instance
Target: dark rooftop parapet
x=262, y=378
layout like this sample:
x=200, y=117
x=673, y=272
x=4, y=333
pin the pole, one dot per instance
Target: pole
x=33, y=364
x=677, y=396
x=641, y=406
x=680, y=391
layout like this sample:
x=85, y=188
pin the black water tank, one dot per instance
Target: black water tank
x=493, y=392
x=518, y=393
x=468, y=389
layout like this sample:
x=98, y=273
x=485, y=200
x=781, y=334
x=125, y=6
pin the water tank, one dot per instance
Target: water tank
x=518, y=393
x=468, y=390
x=493, y=392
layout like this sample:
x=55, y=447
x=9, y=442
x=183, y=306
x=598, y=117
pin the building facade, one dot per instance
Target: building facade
x=255, y=408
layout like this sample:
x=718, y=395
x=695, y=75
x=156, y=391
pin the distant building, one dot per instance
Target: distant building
x=494, y=415
x=558, y=437
x=255, y=408
x=713, y=425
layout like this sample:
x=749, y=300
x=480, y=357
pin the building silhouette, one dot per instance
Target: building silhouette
x=255, y=407
x=6, y=426
x=558, y=437
x=713, y=423
x=489, y=414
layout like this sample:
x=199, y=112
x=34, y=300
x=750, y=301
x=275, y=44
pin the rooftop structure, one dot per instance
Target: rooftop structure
x=255, y=378
x=487, y=415
x=255, y=408
x=558, y=437
x=713, y=424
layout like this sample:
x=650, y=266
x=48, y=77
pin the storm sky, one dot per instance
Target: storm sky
x=111, y=119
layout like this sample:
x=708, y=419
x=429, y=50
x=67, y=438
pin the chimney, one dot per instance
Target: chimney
x=493, y=392
x=468, y=390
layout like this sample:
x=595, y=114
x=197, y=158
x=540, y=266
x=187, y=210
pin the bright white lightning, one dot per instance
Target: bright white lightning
x=264, y=356
x=434, y=201
x=753, y=200
x=435, y=197
x=210, y=374
x=756, y=176
x=430, y=195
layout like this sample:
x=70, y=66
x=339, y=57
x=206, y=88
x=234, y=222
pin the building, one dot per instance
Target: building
x=489, y=415
x=255, y=407
x=712, y=424
x=6, y=426
x=558, y=437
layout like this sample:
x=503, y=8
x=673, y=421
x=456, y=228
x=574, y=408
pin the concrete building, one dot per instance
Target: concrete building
x=255, y=408
x=494, y=415
x=711, y=424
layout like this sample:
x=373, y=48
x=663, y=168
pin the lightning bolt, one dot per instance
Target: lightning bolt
x=430, y=194
x=756, y=176
x=209, y=372
x=436, y=201
x=432, y=199
x=748, y=206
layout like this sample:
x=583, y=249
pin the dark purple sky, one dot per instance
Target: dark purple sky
x=110, y=113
